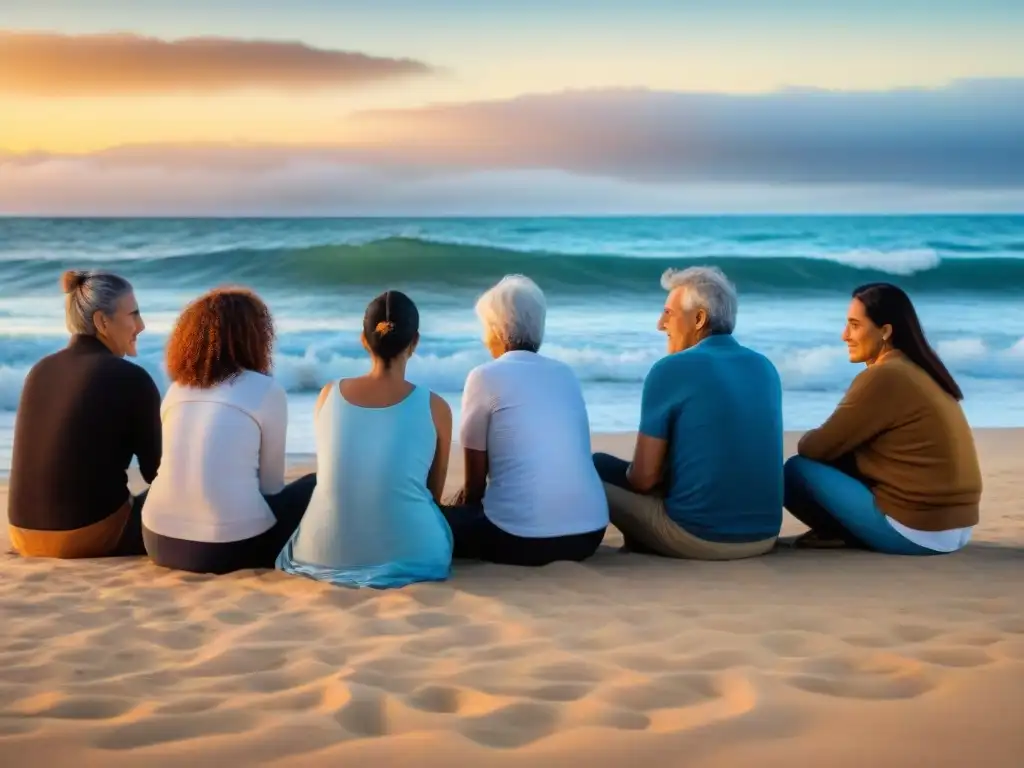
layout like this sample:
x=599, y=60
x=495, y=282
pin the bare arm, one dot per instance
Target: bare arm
x=648, y=466
x=441, y=412
x=658, y=411
x=323, y=397
x=476, y=476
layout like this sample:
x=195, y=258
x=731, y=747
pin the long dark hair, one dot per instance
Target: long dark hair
x=391, y=323
x=886, y=304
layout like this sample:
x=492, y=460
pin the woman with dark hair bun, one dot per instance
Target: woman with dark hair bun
x=894, y=468
x=220, y=502
x=382, y=446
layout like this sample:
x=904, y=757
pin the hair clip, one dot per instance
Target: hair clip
x=384, y=327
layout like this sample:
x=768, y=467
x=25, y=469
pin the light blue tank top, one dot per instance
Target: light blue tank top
x=372, y=522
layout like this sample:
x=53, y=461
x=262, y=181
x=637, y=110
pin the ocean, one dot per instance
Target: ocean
x=600, y=275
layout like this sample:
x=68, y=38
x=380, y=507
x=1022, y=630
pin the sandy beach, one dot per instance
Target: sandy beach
x=796, y=658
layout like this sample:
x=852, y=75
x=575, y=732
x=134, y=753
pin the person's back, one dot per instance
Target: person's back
x=84, y=413
x=221, y=447
x=372, y=519
x=220, y=503
x=920, y=459
x=931, y=457
x=530, y=493
x=542, y=481
x=78, y=427
x=894, y=468
x=706, y=479
x=382, y=447
x=725, y=449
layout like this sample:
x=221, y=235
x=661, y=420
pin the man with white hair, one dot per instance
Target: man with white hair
x=532, y=494
x=706, y=477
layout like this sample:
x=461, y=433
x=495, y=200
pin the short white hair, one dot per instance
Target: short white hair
x=514, y=311
x=706, y=288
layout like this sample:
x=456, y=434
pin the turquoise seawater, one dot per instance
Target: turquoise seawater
x=601, y=277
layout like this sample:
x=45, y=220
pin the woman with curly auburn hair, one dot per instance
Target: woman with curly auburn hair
x=219, y=335
x=220, y=502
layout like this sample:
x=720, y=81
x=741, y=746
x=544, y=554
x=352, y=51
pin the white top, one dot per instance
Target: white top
x=223, y=450
x=938, y=541
x=527, y=412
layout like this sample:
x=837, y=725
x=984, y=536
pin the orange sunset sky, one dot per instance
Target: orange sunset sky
x=650, y=99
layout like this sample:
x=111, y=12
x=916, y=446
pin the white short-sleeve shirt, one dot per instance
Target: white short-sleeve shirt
x=223, y=449
x=527, y=412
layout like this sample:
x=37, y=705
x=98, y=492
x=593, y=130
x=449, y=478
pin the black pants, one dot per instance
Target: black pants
x=260, y=551
x=477, y=538
x=612, y=470
x=131, y=544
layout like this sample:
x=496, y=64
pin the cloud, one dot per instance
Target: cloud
x=955, y=149
x=50, y=64
x=257, y=182
x=968, y=133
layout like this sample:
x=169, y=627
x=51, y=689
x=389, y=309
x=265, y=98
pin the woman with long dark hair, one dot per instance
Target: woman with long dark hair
x=894, y=468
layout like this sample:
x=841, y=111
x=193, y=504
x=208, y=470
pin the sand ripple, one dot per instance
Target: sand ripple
x=193, y=666
x=785, y=660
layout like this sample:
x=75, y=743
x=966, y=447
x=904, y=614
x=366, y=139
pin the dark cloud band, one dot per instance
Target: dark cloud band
x=968, y=133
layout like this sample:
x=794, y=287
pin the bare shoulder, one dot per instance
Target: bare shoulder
x=439, y=407
x=324, y=393
x=441, y=414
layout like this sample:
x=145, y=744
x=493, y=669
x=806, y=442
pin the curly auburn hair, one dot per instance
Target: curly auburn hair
x=219, y=335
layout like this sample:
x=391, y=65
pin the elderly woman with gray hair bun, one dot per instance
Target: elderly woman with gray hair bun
x=84, y=413
x=531, y=494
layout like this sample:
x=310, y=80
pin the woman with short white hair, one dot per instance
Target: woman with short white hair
x=531, y=495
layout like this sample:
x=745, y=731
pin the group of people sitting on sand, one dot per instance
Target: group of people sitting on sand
x=893, y=469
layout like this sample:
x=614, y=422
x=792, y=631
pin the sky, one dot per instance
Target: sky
x=437, y=106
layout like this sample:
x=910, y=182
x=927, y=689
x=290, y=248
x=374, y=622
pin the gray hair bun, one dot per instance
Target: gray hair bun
x=72, y=280
x=88, y=292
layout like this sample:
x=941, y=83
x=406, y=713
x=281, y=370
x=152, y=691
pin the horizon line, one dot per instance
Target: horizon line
x=576, y=216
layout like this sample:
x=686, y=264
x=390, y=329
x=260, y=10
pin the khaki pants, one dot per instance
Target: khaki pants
x=643, y=519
